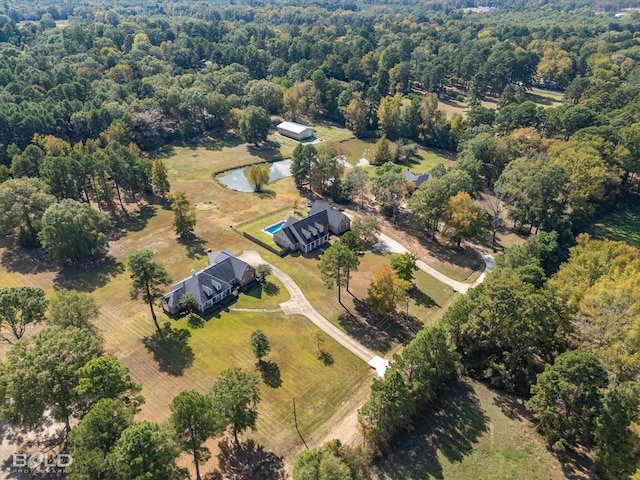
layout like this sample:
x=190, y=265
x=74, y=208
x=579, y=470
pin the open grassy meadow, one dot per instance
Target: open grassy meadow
x=454, y=106
x=623, y=225
x=474, y=432
x=356, y=149
x=324, y=390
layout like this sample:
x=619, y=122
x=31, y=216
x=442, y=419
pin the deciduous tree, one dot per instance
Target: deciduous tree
x=254, y=125
x=386, y=291
x=260, y=345
x=43, y=372
x=263, y=270
x=567, y=397
x=19, y=307
x=404, y=265
x=159, y=179
x=74, y=232
x=463, y=217
x=367, y=228
x=73, y=308
x=22, y=202
x=257, y=176
x=188, y=302
x=359, y=181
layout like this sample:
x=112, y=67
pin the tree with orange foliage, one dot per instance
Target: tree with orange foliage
x=463, y=218
x=386, y=291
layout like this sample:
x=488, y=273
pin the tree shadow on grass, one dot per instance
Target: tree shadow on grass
x=87, y=278
x=171, y=350
x=451, y=428
x=266, y=193
x=271, y=289
x=326, y=358
x=195, y=321
x=25, y=260
x=270, y=372
x=422, y=298
x=269, y=151
x=576, y=462
x=136, y=221
x=249, y=461
x=365, y=333
x=379, y=332
x=194, y=245
x=217, y=144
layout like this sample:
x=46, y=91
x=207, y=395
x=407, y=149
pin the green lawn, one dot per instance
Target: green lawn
x=330, y=132
x=255, y=227
x=293, y=370
x=269, y=295
x=425, y=160
x=472, y=433
x=623, y=225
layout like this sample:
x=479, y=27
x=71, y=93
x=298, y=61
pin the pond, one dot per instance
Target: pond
x=236, y=180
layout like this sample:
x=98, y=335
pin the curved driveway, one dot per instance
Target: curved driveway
x=388, y=244
x=298, y=304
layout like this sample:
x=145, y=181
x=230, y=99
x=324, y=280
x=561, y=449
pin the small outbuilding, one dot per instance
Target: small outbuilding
x=295, y=130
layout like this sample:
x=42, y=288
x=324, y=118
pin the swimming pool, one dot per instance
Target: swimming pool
x=271, y=229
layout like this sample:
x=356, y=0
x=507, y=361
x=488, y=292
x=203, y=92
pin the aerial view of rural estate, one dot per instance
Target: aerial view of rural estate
x=320, y=240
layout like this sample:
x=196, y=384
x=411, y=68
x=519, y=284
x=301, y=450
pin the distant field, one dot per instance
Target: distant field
x=424, y=161
x=474, y=433
x=543, y=98
x=621, y=226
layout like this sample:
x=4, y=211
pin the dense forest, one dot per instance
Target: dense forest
x=89, y=94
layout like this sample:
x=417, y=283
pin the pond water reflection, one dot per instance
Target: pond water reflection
x=236, y=180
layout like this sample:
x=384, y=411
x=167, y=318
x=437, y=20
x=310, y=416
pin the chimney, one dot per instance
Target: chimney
x=193, y=272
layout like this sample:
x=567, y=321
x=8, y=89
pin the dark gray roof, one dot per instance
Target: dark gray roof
x=334, y=216
x=228, y=267
x=289, y=221
x=417, y=180
x=308, y=229
x=223, y=269
x=203, y=284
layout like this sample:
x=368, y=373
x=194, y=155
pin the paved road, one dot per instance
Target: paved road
x=388, y=244
x=298, y=304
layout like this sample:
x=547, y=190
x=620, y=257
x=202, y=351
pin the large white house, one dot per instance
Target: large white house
x=312, y=232
x=295, y=130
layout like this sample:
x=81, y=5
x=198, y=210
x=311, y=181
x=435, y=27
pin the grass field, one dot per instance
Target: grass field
x=223, y=340
x=544, y=98
x=424, y=161
x=292, y=369
x=621, y=225
x=474, y=433
x=268, y=295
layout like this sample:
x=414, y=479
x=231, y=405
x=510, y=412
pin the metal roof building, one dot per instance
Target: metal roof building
x=295, y=130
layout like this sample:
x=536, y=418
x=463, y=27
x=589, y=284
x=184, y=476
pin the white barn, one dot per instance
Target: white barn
x=295, y=130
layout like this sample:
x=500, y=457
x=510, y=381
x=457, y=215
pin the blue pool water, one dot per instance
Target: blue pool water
x=276, y=227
